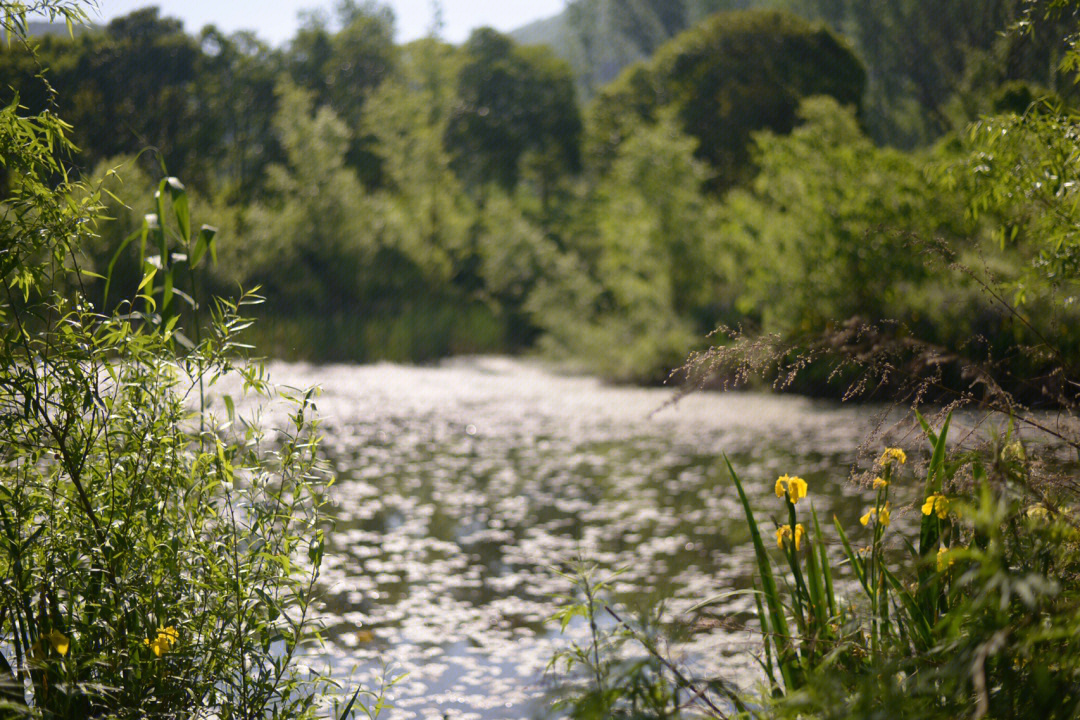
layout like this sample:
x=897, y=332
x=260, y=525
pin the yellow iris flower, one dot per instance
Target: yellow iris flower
x=936, y=503
x=794, y=487
x=891, y=454
x=59, y=641
x=163, y=643
x=883, y=518
x=880, y=483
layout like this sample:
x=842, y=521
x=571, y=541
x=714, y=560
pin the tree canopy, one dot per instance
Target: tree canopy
x=731, y=75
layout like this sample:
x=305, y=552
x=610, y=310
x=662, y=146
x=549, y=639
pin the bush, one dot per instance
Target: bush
x=157, y=559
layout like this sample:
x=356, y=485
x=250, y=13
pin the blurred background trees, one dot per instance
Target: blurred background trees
x=611, y=196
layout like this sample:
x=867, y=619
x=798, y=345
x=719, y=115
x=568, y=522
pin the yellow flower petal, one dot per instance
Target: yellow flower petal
x=169, y=635
x=884, y=517
x=796, y=489
x=59, y=642
x=880, y=483
x=865, y=519
x=936, y=503
x=780, y=483
x=799, y=532
x=782, y=534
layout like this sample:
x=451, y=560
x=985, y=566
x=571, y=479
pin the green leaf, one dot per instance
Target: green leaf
x=348, y=708
x=856, y=562
x=721, y=597
x=203, y=243
x=917, y=619
x=167, y=290
x=826, y=570
x=178, y=194
x=930, y=528
x=148, y=276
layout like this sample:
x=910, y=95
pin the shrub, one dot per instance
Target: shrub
x=157, y=559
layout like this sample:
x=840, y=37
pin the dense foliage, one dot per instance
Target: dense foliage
x=158, y=556
x=410, y=202
x=729, y=76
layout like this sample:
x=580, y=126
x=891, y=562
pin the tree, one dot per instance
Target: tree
x=644, y=268
x=427, y=213
x=511, y=101
x=237, y=81
x=308, y=241
x=826, y=220
x=343, y=68
x=729, y=76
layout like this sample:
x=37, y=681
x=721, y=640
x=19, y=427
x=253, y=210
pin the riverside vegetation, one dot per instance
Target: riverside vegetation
x=160, y=557
x=970, y=610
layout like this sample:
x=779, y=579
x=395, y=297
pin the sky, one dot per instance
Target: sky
x=275, y=21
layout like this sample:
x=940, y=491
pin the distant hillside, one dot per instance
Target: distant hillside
x=549, y=31
x=601, y=37
x=925, y=61
x=39, y=28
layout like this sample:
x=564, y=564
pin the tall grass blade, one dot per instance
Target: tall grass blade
x=930, y=530
x=826, y=570
x=856, y=562
x=786, y=658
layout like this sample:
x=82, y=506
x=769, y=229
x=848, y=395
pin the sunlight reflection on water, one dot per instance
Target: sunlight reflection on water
x=463, y=488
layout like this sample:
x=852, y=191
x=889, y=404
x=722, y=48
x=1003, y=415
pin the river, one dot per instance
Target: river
x=464, y=489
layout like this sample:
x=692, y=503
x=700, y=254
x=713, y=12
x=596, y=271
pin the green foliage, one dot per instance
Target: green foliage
x=976, y=621
x=343, y=68
x=648, y=256
x=972, y=623
x=727, y=77
x=827, y=219
x=309, y=240
x=157, y=559
x=615, y=684
x=512, y=100
x=427, y=214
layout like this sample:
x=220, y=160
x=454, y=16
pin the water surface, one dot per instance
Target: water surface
x=464, y=489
